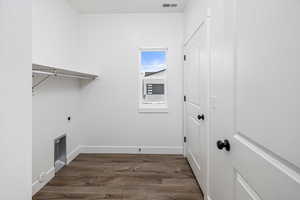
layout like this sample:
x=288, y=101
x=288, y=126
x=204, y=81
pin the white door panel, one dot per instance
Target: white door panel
x=268, y=75
x=196, y=77
x=193, y=129
x=195, y=141
x=192, y=72
x=270, y=177
x=267, y=106
x=197, y=150
x=256, y=84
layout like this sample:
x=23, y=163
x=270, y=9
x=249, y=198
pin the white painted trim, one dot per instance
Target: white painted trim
x=109, y=149
x=184, y=131
x=210, y=112
x=153, y=108
x=208, y=197
x=184, y=107
x=188, y=39
x=37, y=185
x=247, y=187
x=162, y=150
x=71, y=156
x=277, y=163
x=153, y=48
x=132, y=149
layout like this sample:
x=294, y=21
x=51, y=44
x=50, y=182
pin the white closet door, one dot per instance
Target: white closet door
x=196, y=78
x=258, y=107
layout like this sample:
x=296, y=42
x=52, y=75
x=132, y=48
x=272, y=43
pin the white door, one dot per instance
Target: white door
x=196, y=78
x=256, y=95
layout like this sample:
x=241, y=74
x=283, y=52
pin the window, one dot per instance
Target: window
x=153, y=67
x=153, y=61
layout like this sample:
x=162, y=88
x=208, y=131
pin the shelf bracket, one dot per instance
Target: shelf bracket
x=40, y=82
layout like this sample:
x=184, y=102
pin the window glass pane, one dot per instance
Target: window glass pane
x=153, y=61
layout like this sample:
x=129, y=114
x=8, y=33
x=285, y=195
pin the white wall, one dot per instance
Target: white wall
x=53, y=102
x=195, y=12
x=55, y=28
x=110, y=47
x=15, y=107
x=55, y=33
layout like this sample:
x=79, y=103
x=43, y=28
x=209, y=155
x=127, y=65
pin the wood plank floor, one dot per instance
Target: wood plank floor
x=123, y=177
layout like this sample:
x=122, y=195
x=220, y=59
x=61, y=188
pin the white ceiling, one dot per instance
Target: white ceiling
x=125, y=6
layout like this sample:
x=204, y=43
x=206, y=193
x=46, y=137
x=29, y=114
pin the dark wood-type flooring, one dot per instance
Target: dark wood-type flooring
x=123, y=177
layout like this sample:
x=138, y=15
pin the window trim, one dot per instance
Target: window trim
x=155, y=107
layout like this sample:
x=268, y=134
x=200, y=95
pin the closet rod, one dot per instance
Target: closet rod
x=59, y=74
x=43, y=72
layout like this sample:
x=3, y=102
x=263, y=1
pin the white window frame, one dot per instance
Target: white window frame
x=152, y=107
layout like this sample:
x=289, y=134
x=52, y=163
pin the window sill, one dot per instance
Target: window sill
x=153, y=108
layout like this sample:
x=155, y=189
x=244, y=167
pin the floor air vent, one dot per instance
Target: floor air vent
x=60, y=152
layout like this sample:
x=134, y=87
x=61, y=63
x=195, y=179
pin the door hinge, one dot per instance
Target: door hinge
x=184, y=98
x=184, y=57
x=184, y=139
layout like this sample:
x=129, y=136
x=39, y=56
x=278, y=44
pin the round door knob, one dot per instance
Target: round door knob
x=221, y=145
x=201, y=117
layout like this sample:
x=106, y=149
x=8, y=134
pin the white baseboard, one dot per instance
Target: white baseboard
x=132, y=149
x=162, y=150
x=71, y=156
x=208, y=197
x=109, y=149
x=37, y=185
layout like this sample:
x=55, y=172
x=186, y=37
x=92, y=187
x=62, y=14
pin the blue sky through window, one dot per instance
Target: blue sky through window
x=153, y=61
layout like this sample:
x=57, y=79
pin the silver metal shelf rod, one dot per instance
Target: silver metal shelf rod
x=60, y=75
x=43, y=72
x=72, y=76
